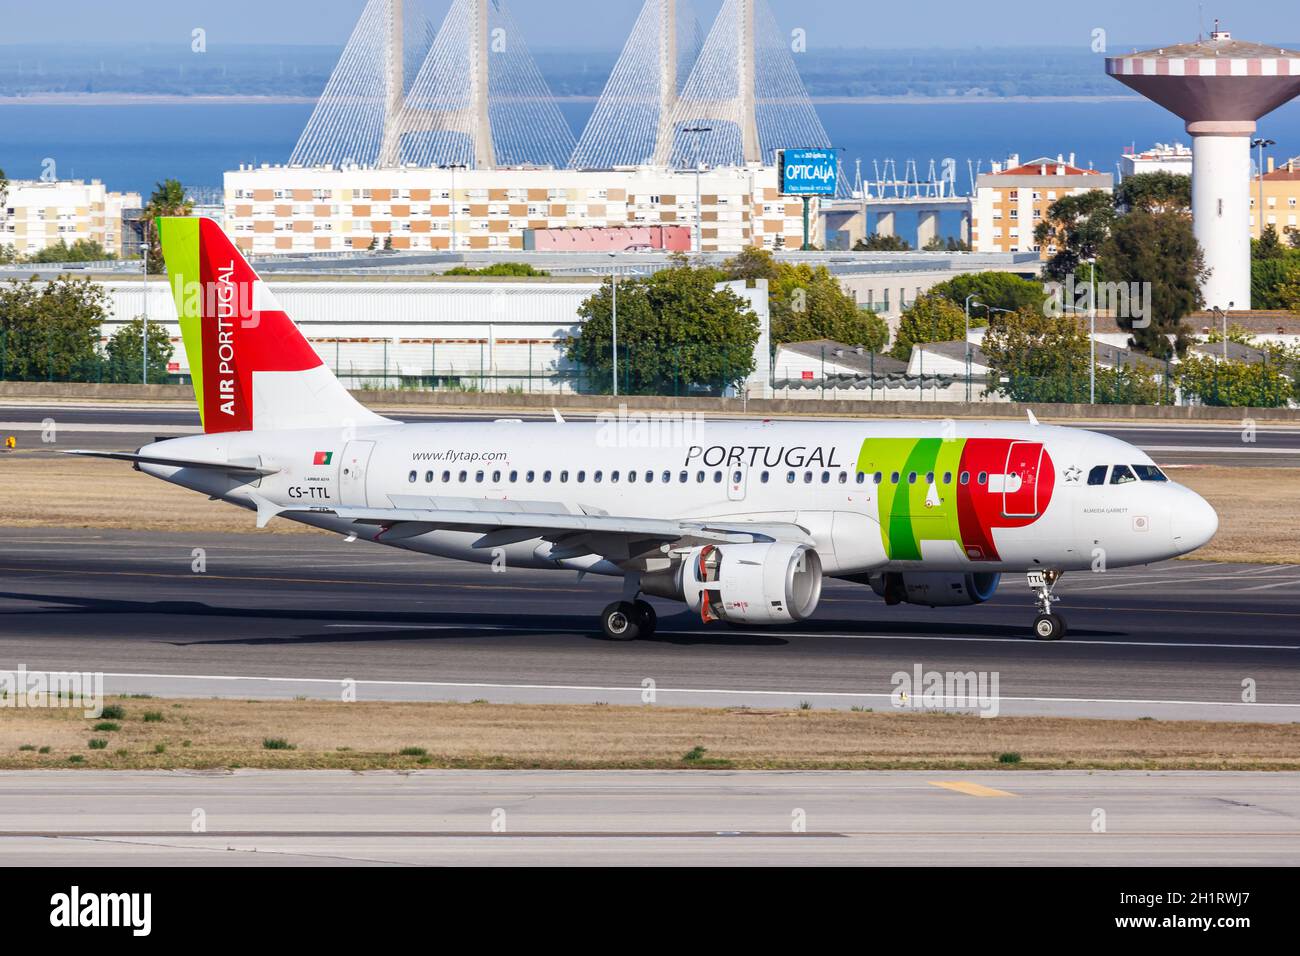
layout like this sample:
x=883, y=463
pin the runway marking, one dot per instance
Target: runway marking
x=638, y=689
x=970, y=789
x=1275, y=584
x=847, y=637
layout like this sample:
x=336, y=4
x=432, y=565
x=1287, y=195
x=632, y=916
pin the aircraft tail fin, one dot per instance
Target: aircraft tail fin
x=251, y=366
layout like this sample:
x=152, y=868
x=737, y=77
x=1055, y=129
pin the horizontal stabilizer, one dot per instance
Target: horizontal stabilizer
x=230, y=467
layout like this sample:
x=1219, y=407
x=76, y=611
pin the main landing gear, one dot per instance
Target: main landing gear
x=628, y=620
x=1048, y=626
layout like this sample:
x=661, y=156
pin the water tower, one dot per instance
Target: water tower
x=1219, y=87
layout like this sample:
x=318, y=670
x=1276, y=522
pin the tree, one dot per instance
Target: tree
x=1236, y=384
x=876, y=242
x=1129, y=386
x=1268, y=245
x=82, y=250
x=167, y=199
x=1036, y=357
x=51, y=330
x=1076, y=225
x=1158, y=252
x=1155, y=192
x=498, y=269
x=752, y=263
x=1269, y=277
x=808, y=302
x=676, y=332
x=1001, y=290
x=123, y=351
x=931, y=318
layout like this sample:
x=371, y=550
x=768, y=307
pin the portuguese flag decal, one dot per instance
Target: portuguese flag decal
x=322, y=458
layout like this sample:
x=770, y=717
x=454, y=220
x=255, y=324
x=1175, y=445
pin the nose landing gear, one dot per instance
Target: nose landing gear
x=1048, y=626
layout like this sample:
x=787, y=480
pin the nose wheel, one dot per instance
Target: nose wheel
x=1048, y=625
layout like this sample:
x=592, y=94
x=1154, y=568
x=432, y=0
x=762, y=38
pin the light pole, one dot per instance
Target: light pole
x=144, y=311
x=1259, y=145
x=453, y=167
x=1092, y=330
x=699, y=213
x=613, y=291
x=967, y=341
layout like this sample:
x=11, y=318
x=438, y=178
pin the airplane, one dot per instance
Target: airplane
x=738, y=520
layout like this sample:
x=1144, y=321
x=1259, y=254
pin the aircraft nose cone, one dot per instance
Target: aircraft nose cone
x=1194, y=523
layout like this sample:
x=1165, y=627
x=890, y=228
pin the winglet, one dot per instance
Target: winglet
x=558, y=417
x=1032, y=419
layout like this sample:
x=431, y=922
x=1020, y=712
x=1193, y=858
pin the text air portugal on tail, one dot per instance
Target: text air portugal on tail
x=252, y=369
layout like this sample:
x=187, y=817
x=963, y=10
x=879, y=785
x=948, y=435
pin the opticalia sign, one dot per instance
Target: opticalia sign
x=808, y=172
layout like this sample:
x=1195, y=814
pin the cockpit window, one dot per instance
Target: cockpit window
x=1098, y=475
x=1120, y=475
x=1149, y=473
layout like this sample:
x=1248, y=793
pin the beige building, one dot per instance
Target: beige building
x=1013, y=199
x=285, y=209
x=36, y=214
x=1281, y=187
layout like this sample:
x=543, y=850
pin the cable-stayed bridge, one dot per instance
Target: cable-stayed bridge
x=471, y=94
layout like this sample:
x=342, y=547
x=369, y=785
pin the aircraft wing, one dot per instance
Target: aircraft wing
x=617, y=537
x=234, y=468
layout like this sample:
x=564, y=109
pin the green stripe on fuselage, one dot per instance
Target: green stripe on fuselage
x=914, y=511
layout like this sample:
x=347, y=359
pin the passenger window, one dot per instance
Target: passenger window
x=411, y=477
x=514, y=476
x=911, y=477
x=582, y=476
x=667, y=477
x=826, y=477
x=1149, y=473
x=613, y=476
x=496, y=477
x=1120, y=475
x=789, y=477
x=597, y=475
x=844, y=477
x=893, y=477
x=807, y=477
x=428, y=477
x=478, y=476
x=564, y=476
x=1098, y=475
x=982, y=478
x=683, y=477
x=964, y=477
x=947, y=477
x=862, y=476
x=878, y=478
x=546, y=476
x=699, y=477
x=529, y=476
x=763, y=477
x=650, y=476
x=631, y=475
x=446, y=476
x=929, y=477
x=717, y=477
x=735, y=477
x=463, y=476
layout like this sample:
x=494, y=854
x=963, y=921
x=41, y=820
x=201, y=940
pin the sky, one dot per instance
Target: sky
x=604, y=24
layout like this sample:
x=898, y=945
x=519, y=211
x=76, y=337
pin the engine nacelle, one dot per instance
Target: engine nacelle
x=759, y=583
x=935, y=588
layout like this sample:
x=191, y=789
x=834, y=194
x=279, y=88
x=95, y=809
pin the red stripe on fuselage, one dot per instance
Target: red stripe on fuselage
x=979, y=510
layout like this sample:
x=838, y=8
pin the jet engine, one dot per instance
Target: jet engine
x=935, y=588
x=759, y=583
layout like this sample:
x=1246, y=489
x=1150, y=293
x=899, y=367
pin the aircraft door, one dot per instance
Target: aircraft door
x=352, y=473
x=1020, y=480
x=737, y=479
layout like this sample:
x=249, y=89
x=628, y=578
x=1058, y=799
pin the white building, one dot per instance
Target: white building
x=1160, y=158
x=284, y=209
x=36, y=214
x=1015, y=197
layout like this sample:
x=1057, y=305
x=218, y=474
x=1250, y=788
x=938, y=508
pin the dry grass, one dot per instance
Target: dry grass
x=209, y=733
x=1259, y=508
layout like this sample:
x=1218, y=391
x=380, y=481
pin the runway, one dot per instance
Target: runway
x=620, y=818
x=283, y=616
x=125, y=427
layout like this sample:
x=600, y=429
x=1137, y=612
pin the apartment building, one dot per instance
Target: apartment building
x=1281, y=189
x=1013, y=199
x=288, y=209
x=36, y=214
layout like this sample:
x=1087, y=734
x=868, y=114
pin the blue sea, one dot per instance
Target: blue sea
x=131, y=147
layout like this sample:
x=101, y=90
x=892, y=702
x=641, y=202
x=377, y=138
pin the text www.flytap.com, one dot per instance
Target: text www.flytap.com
x=451, y=455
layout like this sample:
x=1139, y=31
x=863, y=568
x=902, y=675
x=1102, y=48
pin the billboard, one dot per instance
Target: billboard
x=808, y=172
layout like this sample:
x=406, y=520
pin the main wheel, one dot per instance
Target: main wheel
x=647, y=618
x=621, y=621
x=1049, y=627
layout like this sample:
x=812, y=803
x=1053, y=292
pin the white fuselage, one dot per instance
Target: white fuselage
x=791, y=473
